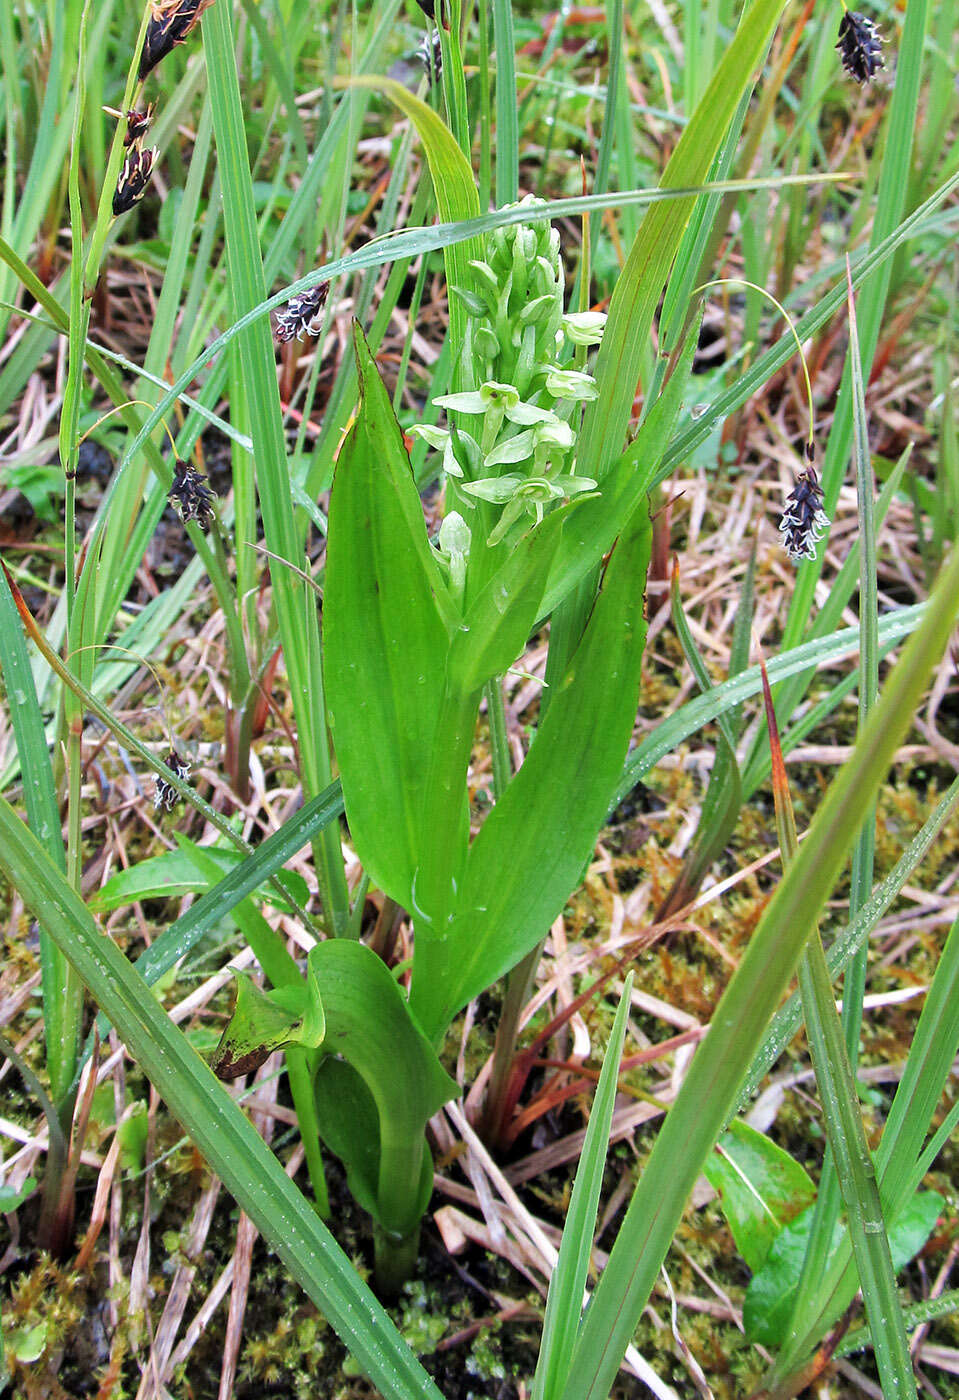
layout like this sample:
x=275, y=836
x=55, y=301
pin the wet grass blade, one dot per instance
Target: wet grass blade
x=788, y=1018
x=62, y=1008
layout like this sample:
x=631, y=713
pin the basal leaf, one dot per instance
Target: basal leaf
x=233, y=1147
x=369, y=1024
x=768, y=1305
x=761, y=1189
x=259, y=1025
x=177, y=873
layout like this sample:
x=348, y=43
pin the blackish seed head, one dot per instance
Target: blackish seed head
x=301, y=315
x=860, y=46
x=165, y=795
x=133, y=179
x=190, y=495
x=430, y=54
x=171, y=23
x=803, y=520
x=137, y=124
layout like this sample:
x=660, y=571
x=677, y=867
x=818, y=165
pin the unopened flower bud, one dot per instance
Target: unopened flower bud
x=570, y=384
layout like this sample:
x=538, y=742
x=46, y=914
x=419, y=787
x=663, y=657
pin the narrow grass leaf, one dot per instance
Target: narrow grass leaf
x=564, y=1303
x=268, y=859
x=855, y=1175
x=293, y=598
x=788, y=1018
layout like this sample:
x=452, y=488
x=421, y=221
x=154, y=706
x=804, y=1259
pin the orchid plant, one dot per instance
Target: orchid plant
x=414, y=632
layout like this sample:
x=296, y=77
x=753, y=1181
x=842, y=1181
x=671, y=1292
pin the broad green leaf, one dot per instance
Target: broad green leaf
x=761, y=1189
x=12, y=1199
x=260, y=1024
x=231, y=1144
x=532, y=847
x=767, y=1308
x=768, y=1305
x=456, y=196
x=349, y=1125
x=369, y=1024
x=176, y=873
x=384, y=639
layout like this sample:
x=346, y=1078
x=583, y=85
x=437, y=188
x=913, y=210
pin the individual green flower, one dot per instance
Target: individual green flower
x=570, y=383
x=584, y=327
x=481, y=400
x=556, y=435
x=543, y=442
x=440, y=440
x=525, y=494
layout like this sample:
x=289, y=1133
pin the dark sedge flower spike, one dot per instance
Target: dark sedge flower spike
x=137, y=124
x=301, y=315
x=430, y=54
x=804, y=520
x=133, y=179
x=165, y=795
x=190, y=495
x=171, y=23
x=860, y=46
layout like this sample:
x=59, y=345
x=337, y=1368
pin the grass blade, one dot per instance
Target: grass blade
x=853, y=1172
x=565, y=1301
x=293, y=598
